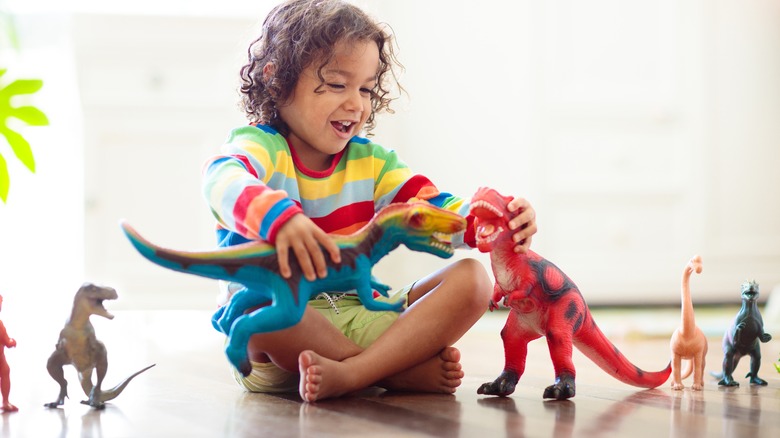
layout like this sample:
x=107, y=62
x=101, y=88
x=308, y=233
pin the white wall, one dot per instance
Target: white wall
x=41, y=224
x=643, y=132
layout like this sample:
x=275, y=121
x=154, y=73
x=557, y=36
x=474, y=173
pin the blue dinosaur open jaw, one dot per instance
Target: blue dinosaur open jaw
x=443, y=242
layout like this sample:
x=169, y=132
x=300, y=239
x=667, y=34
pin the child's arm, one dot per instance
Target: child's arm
x=306, y=241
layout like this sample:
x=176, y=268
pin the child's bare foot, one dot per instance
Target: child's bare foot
x=441, y=373
x=323, y=378
x=314, y=384
x=8, y=407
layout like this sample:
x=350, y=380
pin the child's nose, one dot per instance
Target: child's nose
x=354, y=102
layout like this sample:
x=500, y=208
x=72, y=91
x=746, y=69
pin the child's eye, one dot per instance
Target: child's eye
x=337, y=86
x=367, y=91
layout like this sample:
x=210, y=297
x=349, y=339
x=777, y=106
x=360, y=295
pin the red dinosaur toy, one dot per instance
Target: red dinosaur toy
x=543, y=302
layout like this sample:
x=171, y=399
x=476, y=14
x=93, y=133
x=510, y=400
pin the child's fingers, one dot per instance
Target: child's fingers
x=282, y=255
x=301, y=251
x=518, y=203
x=523, y=245
x=330, y=247
x=524, y=223
x=317, y=258
x=526, y=213
x=523, y=236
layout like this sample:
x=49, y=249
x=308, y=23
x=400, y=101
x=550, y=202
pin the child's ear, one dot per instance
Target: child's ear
x=268, y=70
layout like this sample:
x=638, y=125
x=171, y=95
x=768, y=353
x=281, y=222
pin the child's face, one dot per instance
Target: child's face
x=322, y=122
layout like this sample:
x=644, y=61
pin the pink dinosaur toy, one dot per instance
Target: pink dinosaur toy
x=5, y=370
x=688, y=341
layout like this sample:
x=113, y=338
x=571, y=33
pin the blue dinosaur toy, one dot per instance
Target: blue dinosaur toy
x=419, y=226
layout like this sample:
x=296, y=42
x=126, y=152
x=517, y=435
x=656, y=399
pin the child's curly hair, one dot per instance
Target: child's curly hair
x=297, y=33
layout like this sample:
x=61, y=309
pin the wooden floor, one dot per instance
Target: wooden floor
x=190, y=392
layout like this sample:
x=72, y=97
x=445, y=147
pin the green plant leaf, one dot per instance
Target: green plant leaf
x=27, y=114
x=21, y=148
x=21, y=86
x=5, y=181
x=30, y=115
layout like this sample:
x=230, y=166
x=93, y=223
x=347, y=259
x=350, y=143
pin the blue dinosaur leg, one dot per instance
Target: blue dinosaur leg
x=239, y=303
x=380, y=287
x=366, y=294
x=282, y=314
x=365, y=290
x=216, y=317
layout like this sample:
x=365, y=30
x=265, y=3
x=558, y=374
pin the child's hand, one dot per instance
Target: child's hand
x=304, y=237
x=525, y=222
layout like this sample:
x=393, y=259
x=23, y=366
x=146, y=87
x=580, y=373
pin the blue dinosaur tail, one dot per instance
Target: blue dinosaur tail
x=143, y=246
x=149, y=250
x=214, y=264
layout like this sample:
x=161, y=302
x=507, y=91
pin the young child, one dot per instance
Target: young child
x=316, y=77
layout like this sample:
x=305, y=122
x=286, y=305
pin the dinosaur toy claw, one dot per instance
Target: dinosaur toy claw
x=562, y=389
x=503, y=386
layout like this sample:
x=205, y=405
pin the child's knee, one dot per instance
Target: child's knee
x=474, y=278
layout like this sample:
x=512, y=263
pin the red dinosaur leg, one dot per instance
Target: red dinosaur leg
x=516, y=338
x=559, y=341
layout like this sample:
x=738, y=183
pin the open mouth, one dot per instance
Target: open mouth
x=485, y=210
x=343, y=126
x=97, y=304
x=443, y=241
x=488, y=236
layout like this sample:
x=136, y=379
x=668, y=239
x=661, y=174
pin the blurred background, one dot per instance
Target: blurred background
x=643, y=132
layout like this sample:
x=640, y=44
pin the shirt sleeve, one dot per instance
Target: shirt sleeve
x=238, y=184
x=395, y=182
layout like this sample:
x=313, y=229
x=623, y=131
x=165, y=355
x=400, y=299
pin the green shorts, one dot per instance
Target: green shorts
x=359, y=324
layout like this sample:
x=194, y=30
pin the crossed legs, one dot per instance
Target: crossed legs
x=415, y=353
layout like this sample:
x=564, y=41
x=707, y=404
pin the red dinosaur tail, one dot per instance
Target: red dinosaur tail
x=592, y=342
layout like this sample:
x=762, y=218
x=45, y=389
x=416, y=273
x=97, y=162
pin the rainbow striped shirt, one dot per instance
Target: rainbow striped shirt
x=257, y=183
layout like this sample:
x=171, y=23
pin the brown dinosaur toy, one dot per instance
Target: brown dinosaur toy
x=688, y=341
x=78, y=346
x=543, y=301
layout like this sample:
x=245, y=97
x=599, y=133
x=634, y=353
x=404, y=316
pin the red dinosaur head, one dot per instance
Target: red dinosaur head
x=491, y=213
